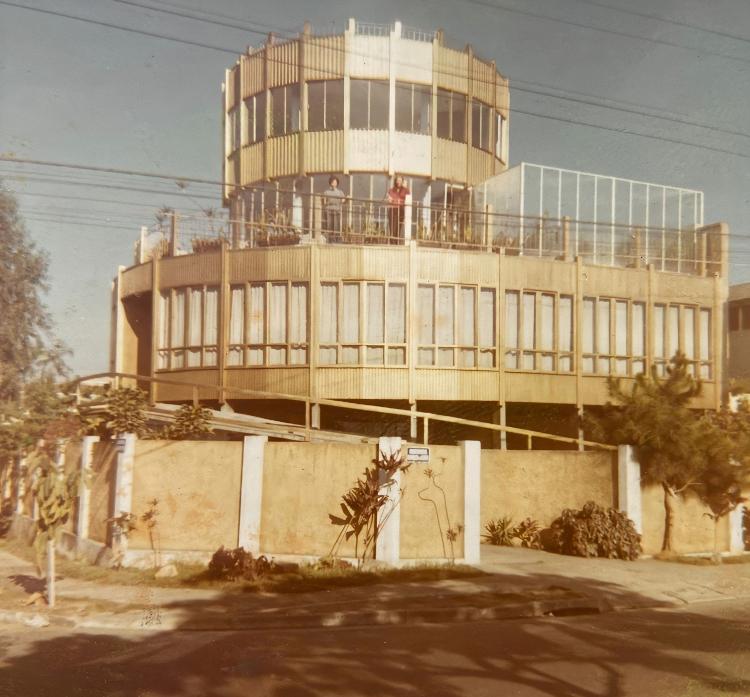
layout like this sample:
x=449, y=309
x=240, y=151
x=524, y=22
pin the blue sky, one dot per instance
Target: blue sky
x=84, y=93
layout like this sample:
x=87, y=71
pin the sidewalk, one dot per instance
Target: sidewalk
x=518, y=583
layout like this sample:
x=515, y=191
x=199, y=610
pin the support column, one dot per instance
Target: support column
x=315, y=416
x=736, y=537
x=387, y=547
x=581, y=446
x=503, y=434
x=413, y=421
x=629, y=485
x=251, y=493
x=471, y=452
x=84, y=490
x=124, y=484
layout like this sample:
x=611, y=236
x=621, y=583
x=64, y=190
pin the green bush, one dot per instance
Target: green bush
x=527, y=533
x=232, y=564
x=594, y=531
x=499, y=532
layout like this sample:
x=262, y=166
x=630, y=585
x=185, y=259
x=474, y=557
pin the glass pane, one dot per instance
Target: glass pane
x=445, y=357
x=487, y=317
x=277, y=111
x=511, y=360
x=379, y=104
x=422, y=108
x=639, y=367
x=565, y=337
x=209, y=357
x=639, y=329
x=375, y=312
x=260, y=116
x=358, y=104
x=350, y=355
x=689, y=342
x=255, y=356
x=375, y=355
x=404, y=120
x=350, y=314
x=674, y=330
x=547, y=322
x=476, y=123
x=194, y=357
x=335, y=105
x=659, y=331
x=458, y=121
x=705, y=342
x=327, y=355
x=178, y=319
x=602, y=327
x=195, y=318
x=396, y=356
x=276, y=355
x=426, y=319
x=298, y=314
x=316, y=106
x=511, y=319
x=588, y=325
x=277, y=314
x=547, y=362
x=250, y=111
x=444, y=319
x=621, y=328
x=467, y=358
x=396, y=317
x=444, y=114
x=565, y=364
x=487, y=358
x=292, y=108
x=329, y=312
x=236, y=318
x=298, y=356
x=235, y=355
x=466, y=335
x=425, y=357
x=529, y=320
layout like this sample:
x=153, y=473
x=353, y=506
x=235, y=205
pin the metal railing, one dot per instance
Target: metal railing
x=222, y=392
x=287, y=219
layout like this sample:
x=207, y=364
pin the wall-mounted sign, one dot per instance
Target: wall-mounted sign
x=417, y=454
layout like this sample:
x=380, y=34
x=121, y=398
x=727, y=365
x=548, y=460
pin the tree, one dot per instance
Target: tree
x=671, y=442
x=26, y=344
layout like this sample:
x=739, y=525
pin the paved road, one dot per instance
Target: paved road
x=696, y=651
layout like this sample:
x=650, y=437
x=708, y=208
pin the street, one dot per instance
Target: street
x=700, y=650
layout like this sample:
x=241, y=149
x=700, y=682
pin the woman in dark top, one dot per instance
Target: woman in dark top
x=397, y=199
x=333, y=198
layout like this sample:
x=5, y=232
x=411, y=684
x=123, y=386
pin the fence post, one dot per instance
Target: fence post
x=124, y=485
x=471, y=451
x=629, y=485
x=84, y=490
x=736, y=530
x=251, y=493
x=387, y=548
x=567, y=256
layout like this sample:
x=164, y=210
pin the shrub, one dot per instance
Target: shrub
x=499, y=532
x=527, y=533
x=231, y=564
x=594, y=531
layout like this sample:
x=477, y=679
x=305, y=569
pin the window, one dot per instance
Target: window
x=638, y=346
x=284, y=110
x=233, y=129
x=413, y=107
x=451, y=115
x=369, y=104
x=256, y=117
x=268, y=324
x=734, y=318
x=538, y=331
x=607, y=336
x=188, y=328
x=456, y=326
x=683, y=328
x=481, y=125
x=325, y=105
x=499, y=136
x=745, y=324
x=362, y=323
x=705, y=343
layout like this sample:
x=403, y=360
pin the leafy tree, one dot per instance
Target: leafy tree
x=189, y=422
x=126, y=411
x=26, y=345
x=671, y=442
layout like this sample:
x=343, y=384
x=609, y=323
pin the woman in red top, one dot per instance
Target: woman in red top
x=397, y=198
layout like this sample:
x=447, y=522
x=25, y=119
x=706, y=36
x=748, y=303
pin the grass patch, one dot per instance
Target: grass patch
x=305, y=579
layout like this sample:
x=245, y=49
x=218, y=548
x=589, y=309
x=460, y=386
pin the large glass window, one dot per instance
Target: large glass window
x=325, y=105
x=499, y=136
x=413, y=107
x=268, y=324
x=369, y=104
x=481, y=125
x=284, y=110
x=456, y=326
x=451, y=116
x=188, y=328
x=363, y=323
x=233, y=129
x=255, y=107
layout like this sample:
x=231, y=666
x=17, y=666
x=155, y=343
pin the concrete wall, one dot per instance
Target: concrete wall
x=540, y=484
x=693, y=531
x=197, y=485
x=302, y=484
x=424, y=511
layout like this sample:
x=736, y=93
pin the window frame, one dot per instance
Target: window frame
x=413, y=88
x=287, y=112
x=325, y=105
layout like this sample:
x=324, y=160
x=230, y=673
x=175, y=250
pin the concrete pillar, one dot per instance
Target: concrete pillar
x=315, y=416
x=84, y=489
x=471, y=452
x=629, y=485
x=124, y=481
x=736, y=537
x=251, y=493
x=387, y=548
x=503, y=422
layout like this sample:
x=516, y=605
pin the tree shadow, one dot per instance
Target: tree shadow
x=641, y=652
x=28, y=583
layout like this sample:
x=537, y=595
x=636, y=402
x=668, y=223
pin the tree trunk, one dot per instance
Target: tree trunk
x=717, y=554
x=666, y=545
x=51, y=572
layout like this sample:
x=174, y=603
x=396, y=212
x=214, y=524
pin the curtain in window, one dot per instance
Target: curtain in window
x=236, y=326
x=375, y=313
x=705, y=343
x=486, y=317
x=277, y=323
x=565, y=332
x=511, y=329
x=602, y=335
x=255, y=323
x=659, y=331
x=210, y=326
x=163, y=330
x=195, y=317
x=547, y=331
x=328, y=313
x=689, y=341
x=639, y=338
x=588, y=334
x=466, y=326
x=350, y=314
x=621, y=336
x=178, y=329
x=674, y=330
x=396, y=316
x=445, y=324
x=426, y=319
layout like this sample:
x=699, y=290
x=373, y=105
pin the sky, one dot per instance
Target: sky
x=93, y=94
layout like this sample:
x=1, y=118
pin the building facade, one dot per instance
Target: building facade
x=506, y=295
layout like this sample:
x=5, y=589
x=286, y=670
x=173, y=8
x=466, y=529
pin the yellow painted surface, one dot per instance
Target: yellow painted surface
x=103, y=465
x=302, y=484
x=197, y=484
x=693, y=531
x=539, y=484
x=425, y=513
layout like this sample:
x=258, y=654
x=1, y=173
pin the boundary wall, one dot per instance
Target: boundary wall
x=275, y=498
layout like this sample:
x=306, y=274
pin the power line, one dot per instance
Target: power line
x=676, y=22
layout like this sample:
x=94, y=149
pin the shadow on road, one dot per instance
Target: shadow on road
x=596, y=656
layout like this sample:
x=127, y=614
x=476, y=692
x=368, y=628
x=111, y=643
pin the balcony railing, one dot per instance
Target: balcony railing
x=301, y=220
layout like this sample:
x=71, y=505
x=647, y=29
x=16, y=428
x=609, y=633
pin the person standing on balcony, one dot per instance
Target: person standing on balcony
x=333, y=199
x=397, y=199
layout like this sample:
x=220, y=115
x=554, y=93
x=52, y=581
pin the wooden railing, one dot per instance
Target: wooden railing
x=426, y=417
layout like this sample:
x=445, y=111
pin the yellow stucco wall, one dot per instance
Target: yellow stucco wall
x=424, y=524
x=693, y=531
x=103, y=465
x=197, y=484
x=539, y=484
x=302, y=484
